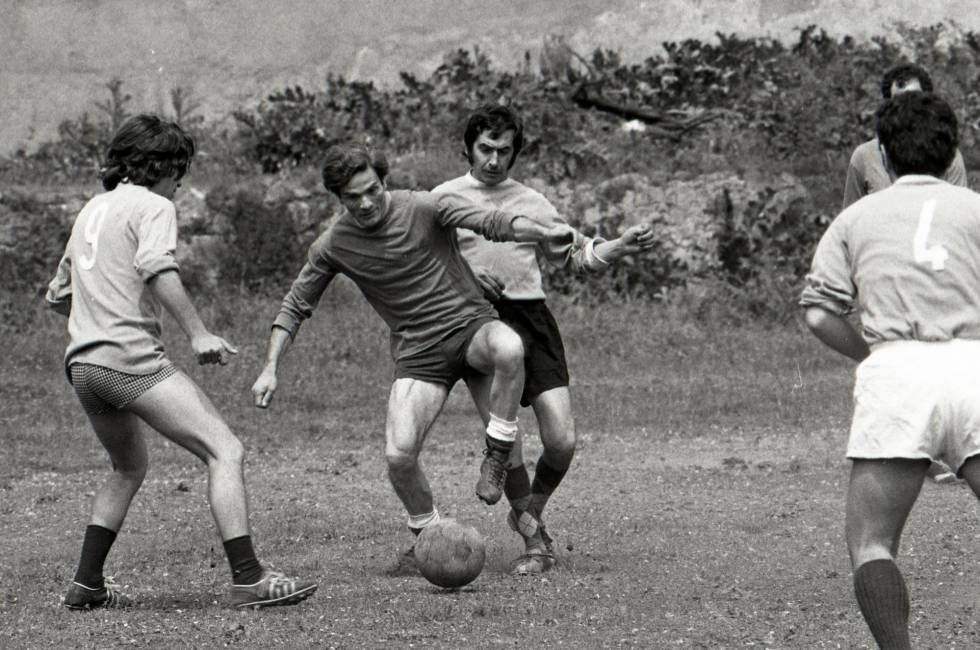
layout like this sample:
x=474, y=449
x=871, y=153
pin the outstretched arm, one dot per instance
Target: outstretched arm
x=265, y=386
x=169, y=290
x=836, y=332
x=636, y=239
x=529, y=230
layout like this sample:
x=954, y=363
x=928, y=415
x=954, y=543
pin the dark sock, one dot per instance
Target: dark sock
x=517, y=487
x=884, y=602
x=500, y=445
x=95, y=549
x=245, y=567
x=546, y=481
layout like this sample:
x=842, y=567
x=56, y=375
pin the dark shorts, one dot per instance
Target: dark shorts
x=544, y=354
x=444, y=363
x=102, y=389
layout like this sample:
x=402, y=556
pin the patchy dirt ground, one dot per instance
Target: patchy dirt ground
x=704, y=509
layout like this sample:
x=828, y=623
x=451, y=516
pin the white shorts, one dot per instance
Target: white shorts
x=914, y=399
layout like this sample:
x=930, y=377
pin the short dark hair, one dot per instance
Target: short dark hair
x=497, y=119
x=905, y=72
x=919, y=133
x=146, y=150
x=342, y=161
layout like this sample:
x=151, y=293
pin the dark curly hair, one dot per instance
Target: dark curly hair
x=919, y=133
x=146, y=150
x=341, y=162
x=905, y=72
x=496, y=119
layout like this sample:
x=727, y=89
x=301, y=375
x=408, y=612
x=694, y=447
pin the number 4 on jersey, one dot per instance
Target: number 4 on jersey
x=935, y=254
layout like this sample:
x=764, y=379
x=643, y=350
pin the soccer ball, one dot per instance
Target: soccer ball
x=450, y=554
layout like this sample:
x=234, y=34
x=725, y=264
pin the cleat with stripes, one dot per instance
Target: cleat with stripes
x=106, y=597
x=273, y=589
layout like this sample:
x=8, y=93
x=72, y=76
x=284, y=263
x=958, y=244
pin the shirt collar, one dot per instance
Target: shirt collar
x=917, y=179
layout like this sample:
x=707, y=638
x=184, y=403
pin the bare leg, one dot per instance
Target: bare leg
x=179, y=410
x=497, y=352
x=880, y=496
x=412, y=408
x=121, y=434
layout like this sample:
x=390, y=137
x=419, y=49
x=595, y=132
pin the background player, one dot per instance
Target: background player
x=910, y=256
x=511, y=278
x=117, y=272
x=866, y=173
x=400, y=249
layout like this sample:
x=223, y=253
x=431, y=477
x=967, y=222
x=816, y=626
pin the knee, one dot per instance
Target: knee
x=507, y=351
x=230, y=451
x=400, y=460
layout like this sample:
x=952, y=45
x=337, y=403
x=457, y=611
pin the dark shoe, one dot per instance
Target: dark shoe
x=404, y=565
x=493, y=472
x=106, y=597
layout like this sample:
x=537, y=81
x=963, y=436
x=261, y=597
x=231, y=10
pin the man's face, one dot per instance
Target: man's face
x=490, y=157
x=366, y=198
x=906, y=85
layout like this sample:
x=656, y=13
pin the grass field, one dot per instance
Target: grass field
x=704, y=508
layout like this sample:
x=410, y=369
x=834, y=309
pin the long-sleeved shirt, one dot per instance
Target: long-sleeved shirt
x=866, y=172
x=409, y=268
x=910, y=256
x=121, y=239
x=515, y=264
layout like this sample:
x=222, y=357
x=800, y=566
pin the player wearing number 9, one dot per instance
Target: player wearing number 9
x=909, y=257
x=117, y=275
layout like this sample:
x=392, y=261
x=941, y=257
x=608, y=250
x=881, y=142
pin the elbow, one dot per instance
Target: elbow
x=816, y=318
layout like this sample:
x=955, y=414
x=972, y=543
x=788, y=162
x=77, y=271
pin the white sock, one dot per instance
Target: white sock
x=501, y=429
x=421, y=521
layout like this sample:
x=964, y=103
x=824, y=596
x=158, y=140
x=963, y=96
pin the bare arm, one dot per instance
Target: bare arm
x=208, y=348
x=636, y=239
x=265, y=386
x=836, y=332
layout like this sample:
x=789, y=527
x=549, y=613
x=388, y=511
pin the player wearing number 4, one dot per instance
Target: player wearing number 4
x=866, y=173
x=400, y=249
x=117, y=273
x=909, y=257
x=511, y=278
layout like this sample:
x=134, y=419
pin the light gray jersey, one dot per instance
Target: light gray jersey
x=121, y=239
x=909, y=257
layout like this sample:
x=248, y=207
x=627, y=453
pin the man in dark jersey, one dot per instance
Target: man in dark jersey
x=400, y=249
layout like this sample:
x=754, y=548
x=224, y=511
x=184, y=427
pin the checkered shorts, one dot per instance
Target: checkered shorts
x=102, y=389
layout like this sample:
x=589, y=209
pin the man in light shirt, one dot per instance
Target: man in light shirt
x=866, y=173
x=908, y=257
x=511, y=279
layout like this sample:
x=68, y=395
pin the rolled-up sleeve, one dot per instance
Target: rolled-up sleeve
x=495, y=225
x=58, y=295
x=830, y=283
x=305, y=292
x=157, y=246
